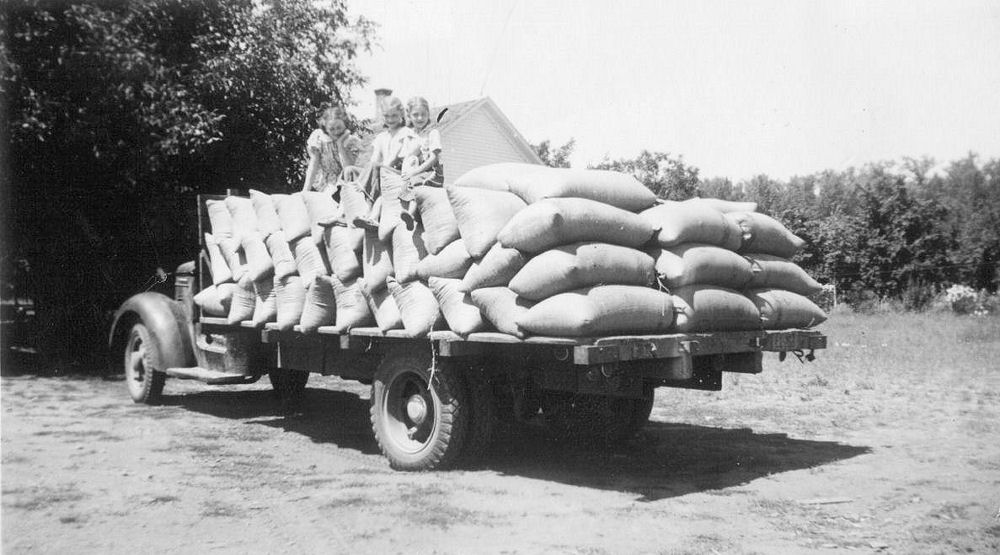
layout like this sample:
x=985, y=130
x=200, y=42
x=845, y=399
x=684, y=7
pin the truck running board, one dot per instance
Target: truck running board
x=211, y=377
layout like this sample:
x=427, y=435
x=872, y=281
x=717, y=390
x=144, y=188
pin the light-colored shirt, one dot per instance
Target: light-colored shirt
x=387, y=147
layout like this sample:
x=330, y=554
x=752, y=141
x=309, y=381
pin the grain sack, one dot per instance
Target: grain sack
x=601, y=310
x=308, y=259
x=289, y=298
x=692, y=222
x=352, y=307
x=580, y=265
x=502, y=308
x=234, y=256
x=382, y=305
x=217, y=263
x=340, y=251
x=376, y=263
x=259, y=263
x=320, y=306
x=293, y=215
x=392, y=185
x=452, y=261
x=440, y=225
x=243, y=216
x=495, y=269
x=243, y=303
x=461, y=314
x=618, y=189
x=481, y=214
x=692, y=263
x=781, y=309
x=775, y=272
x=219, y=218
x=266, y=305
x=708, y=308
x=321, y=209
x=267, y=217
x=407, y=250
x=764, y=234
x=496, y=176
x=281, y=255
x=215, y=300
x=726, y=205
x=354, y=202
x=418, y=308
x=553, y=222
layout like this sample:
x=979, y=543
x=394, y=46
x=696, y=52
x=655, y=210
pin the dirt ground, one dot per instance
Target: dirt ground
x=889, y=442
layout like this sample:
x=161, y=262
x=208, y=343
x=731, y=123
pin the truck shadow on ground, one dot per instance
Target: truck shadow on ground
x=664, y=460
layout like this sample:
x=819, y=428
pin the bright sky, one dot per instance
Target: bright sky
x=737, y=88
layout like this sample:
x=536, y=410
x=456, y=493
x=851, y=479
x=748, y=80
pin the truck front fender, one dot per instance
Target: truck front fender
x=167, y=322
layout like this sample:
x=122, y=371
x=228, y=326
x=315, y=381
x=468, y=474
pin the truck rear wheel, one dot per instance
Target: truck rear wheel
x=418, y=414
x=143, y=366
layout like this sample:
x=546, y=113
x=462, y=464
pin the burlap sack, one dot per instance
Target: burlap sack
x=695, y=263
x=259, y=263
x=267, y=216
x=601, y=310
x=461, y=314
x=407, y=250
x=235, y=258
x=725, y=206
x=496, y=177
x=293, y=215
x=217, y=263
x=764, y=234
x=219, y=219
x=383, y=306
x=580, y=265
x=243, y=302
x=308, y=259
x=244, y=217
x=376, y=264
x=781, y=309
x=418, y=308
x=266, y=305
x=281, y=255
x=617, y=189
x=495, y=269
x=352, y=307
x=353, y=202
x=481, y=214
x=290, y=298
x=702, y=308
x=692, y=222
x=320, y=306
x=440, y=225
x=502, y=308
x=215, y=300
x=341, y=252
x=392, y=185
x=452, y=261
x=775, y=272
x=552, y=222
x=321, y=208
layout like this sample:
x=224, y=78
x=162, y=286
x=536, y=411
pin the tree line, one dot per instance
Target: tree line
x=902, y=230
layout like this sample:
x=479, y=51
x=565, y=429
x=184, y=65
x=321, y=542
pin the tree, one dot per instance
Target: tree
x=668, y=177
x=120, y=112
x=555, y=157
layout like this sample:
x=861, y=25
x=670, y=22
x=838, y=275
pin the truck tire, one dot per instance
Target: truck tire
x=418, y=426
x=143, y=366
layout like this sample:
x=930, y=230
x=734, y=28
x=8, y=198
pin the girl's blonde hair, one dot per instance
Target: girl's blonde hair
x=417, y=101
x=392, y=104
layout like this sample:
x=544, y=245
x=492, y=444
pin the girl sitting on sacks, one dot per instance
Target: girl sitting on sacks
x=423, y=166
x=390, y=147
x=331, y=148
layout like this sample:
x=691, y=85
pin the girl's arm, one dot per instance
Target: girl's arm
x=311, y=170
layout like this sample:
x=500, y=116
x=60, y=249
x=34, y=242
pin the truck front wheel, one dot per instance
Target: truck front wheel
x=418, y=411
x=143, y=366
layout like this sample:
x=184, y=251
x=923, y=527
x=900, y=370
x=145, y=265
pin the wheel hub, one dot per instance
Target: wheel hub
x=416, y=409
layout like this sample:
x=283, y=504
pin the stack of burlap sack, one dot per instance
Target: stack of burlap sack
x=516, y=248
